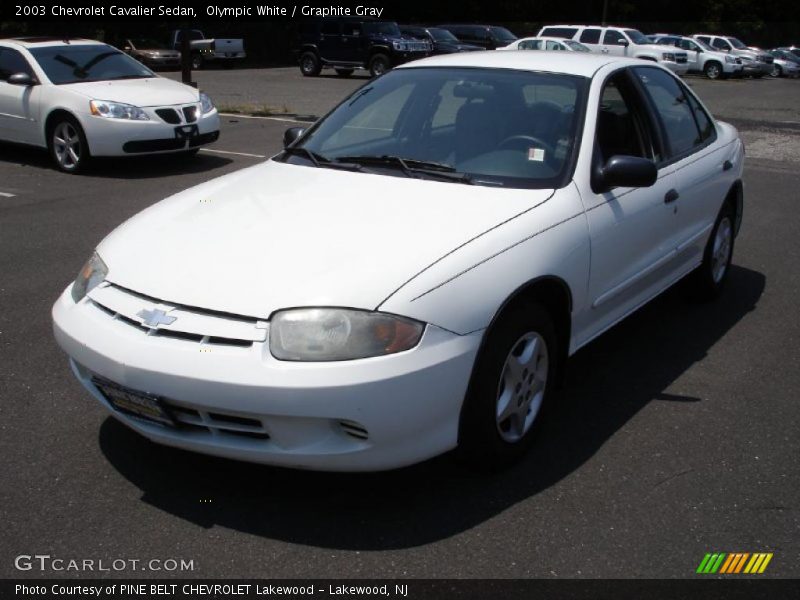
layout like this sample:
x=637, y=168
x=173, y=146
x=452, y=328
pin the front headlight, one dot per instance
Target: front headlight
x=116, y=110
x=91, y=275
x=729, y=59
x=206, y=103
x=329, y=334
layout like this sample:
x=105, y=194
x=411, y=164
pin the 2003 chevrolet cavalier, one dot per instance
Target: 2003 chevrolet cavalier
x=412, y=272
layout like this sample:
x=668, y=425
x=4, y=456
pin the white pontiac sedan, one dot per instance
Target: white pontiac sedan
x=80, y=98
x=411, y=274
x=546, y=43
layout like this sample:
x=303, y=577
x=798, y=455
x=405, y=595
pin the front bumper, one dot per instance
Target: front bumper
x=118, y=137
x=407, y=405
x=732, y=68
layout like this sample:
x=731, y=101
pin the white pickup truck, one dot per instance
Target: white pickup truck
x=205, y=49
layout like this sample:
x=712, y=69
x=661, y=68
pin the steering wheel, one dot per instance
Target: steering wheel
x=531, y=141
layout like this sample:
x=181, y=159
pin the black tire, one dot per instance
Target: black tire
x=66, y=141
x=485, y=439
x=379, y=64
x=197, y=62
x=776, y=72
x=309, y=64
x=710, y=277
x=344, y=72
x=713, y=70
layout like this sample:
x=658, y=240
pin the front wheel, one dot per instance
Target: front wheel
x=197, y=62
x=776, y=71
x=379, y=64
x=511, y=384
x=713, y=70
x=68, y=146
x=711, y=275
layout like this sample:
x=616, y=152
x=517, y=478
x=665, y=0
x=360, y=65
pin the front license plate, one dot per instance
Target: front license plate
x=131, y=402
x=185, y=131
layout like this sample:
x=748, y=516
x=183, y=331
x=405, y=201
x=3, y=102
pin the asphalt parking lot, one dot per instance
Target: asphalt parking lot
x=677, y=434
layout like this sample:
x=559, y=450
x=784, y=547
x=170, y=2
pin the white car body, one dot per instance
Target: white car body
x=279, y=235
x=541, y=43
x=700, y=58
x=667, y=56
x=754, y=62
x=25, y=110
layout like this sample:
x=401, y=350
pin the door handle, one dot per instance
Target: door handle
x=727, y=165
x=671, y=196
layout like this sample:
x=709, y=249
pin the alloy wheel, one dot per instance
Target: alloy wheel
x=67, y=146
x=721, y=251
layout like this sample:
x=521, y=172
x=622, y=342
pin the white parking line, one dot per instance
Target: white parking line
x=234, y=153
x=284, y=119
x=7, y=195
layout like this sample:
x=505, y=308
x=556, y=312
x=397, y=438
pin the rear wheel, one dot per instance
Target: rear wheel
x=776, y=71
x=344, y=72
x=713, y=70
x=310, y=65
x=711, y=275
x=379, y=64
x=197, y=62
x=68, y=146
x=512, y=382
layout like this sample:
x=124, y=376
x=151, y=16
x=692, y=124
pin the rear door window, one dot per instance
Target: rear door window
x=590, y=36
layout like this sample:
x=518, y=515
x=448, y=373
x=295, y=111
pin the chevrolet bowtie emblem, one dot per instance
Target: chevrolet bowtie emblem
x=155, y=317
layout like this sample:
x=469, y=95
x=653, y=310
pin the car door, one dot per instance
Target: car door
x=19, y=104
x=614, y=43
x=352, y=41
x=692, y=53
x=330, y=40
x=694, y=160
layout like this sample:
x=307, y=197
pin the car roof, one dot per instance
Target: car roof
x=583, y=64
x=37, y=42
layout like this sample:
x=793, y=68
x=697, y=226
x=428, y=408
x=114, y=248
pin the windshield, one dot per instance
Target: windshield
x=576, y=46
x=97, y=62
x=148, y=44
x=502, y=34
x=442, y=35
x=496, y=126
x=382, y=28
x=736, y=43
x=637, y=37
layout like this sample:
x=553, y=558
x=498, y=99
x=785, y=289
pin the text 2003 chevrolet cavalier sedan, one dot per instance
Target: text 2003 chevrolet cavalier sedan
x=410, y=275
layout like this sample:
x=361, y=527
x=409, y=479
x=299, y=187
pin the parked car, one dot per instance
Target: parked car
x=702, y=58
x=488, y=37
x=441, y=40
x=412, y=272
x=225, y=51
x=793, y=49
x=546, y=43
x=620, y=41
x=754, y=64
x=785, y=64
x=81, y=99
x=350, y=43
x=152, y=53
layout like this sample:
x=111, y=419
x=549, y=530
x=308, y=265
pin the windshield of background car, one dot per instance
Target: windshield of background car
x=382, y=28
x=737, y=43
x=502, y=34
x=499, y=127
x=442, y=35
x=576, y=46
x=637, y=37
x=77, y=64
x=148, y=44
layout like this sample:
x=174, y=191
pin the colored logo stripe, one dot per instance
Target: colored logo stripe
x=734, y=562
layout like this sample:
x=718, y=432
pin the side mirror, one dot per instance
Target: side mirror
x=22, y=79
x=624, y=171
x=623, y=42
x=290, y=135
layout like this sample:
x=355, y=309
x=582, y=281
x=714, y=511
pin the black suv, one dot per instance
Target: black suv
x=347, y=44
x=442, y=40
x=490, y=37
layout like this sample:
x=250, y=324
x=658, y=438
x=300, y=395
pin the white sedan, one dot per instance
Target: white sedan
x=546, y=43
x=80, y=98
x=411, y=273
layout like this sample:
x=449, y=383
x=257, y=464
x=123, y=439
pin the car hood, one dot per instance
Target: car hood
x=278, y=235
x=154, y=91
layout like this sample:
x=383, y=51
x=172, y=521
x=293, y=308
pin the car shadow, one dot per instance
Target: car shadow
x=124, y=167
x=609, y=382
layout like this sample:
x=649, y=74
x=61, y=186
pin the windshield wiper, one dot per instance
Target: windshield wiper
x=411, y=166
x=320, y=161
